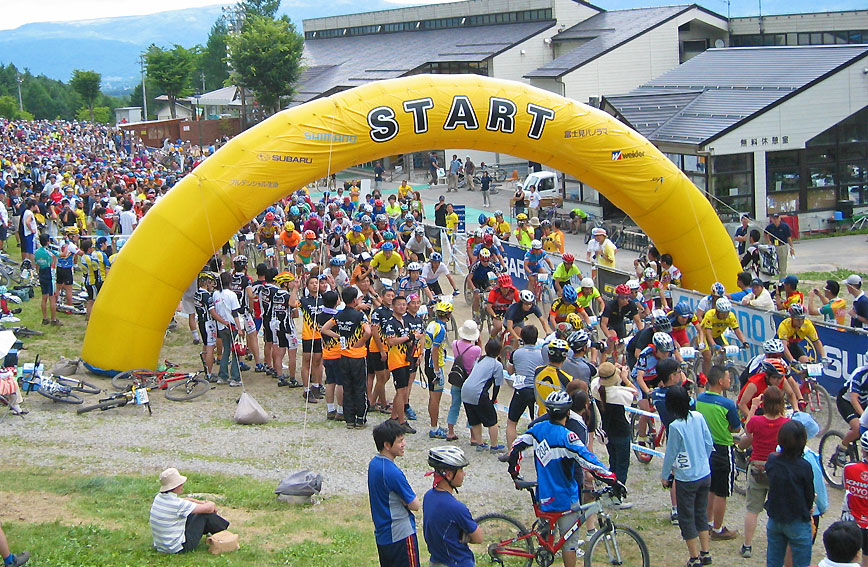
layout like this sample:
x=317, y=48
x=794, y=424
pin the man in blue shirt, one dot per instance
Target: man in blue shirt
x=448, y=525
x=559, y=457
x=392, y=500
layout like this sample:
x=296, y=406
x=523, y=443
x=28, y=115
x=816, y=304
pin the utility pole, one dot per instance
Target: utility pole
x=202, y=76
x=19, y=80
x=144, y=92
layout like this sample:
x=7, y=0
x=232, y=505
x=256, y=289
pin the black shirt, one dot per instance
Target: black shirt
x=517, y=314
x=440, y=214
x=780, y=234
x=617, y=314
x=742, y=231
x=791, y=489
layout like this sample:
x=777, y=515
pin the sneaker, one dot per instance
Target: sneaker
x=724, y=534
x=437, y=433
x=222, y=381
x=621, y=505
x=330, y=416
x=46, y=321
x=746, y=551
x=234, y=383
x=498, y=449
x=840, y=457
x=673, y=517
x=339, y=417
x=243, y=367
x=318, y=391
x=480, y=447
x=410, y=413
x=503, y=457
x=705, y=557
x=407, y=427
x=195, y=341
x=19, y=559
x=694, y=562
x=351, y=425
x=259, y=368
x=310, y=397
x=361, y=424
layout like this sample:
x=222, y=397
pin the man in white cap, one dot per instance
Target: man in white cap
x=178, y=524
x=600, y=249
x=859, y=311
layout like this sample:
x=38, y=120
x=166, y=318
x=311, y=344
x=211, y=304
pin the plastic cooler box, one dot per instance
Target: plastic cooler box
x=25, y=375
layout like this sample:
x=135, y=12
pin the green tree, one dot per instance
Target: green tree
x=8, y=106
x=214, y=59
x=266, y=57
x=264, y=8
x=171, y=70
x=86, y=84
x=101, y=114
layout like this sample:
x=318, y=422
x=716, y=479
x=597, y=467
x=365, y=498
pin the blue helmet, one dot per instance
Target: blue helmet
x=569, y=294
x=683, y=309
x=293, y=210
x=357, y=227
x=338, y=229
x=388, y=246
x=483, y=219
x=337, y=262
x=436, y=257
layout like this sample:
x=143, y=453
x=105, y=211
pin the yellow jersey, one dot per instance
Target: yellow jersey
x=717, y=325
x=452, y=222
x=786, y=331
x=383, y=264
x=548, y=379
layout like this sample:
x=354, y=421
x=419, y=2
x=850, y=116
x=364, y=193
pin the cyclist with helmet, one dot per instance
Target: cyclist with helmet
x=637, y=298
x=492, y=244
x=434, y=358
x=852, y=400
x=417, y=246
x=613, y=321
x=449, y=526
x=589, y=299
x=66, y=258
x=242, y=286
x=644, y=374
x=414, y=283
x=268, y=230
x=518, y=312
x=207, y=316
x=771, y=373
x=524, y=234
x=336, y=276
x=433, y=270
x=284, y=306
x=565, y=271
x=564, y=305
x=534, y=260
x=386, y=264
x=680, y=318
x=550, y=377
x=795, y=329
x=289, y=237
x=501, y=228
x=357, y=240
x=644, y=338
x=708, y=302
x=715, y=323
x=559, y=459
x=308, y=250
x=499, y=299
x=652, y=290
x=337, y=242
x=362, y=269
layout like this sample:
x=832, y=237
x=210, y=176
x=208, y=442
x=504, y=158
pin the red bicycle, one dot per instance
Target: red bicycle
x=509, y=543
x=185, y=385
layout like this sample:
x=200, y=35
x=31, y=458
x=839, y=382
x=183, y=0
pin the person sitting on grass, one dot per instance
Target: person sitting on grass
x=178, y=524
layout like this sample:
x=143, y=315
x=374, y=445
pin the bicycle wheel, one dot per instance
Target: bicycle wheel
x=468, y=292
x=454, y=326
x=500, y=175
x=188, y=389
x=123, y=381
x=500, y=544
x=820, y=407
x=620, y=546
x=61, y=394
x=104, y=405
x=832, y=471
x=735, y=384
x=77, y=385
x=634, y=426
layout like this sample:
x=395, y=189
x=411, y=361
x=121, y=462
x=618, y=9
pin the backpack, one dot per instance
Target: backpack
x=458, y=374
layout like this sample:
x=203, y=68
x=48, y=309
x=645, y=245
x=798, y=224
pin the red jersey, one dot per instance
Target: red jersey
x=499, y=303
x=856, y=485
x=758, y=380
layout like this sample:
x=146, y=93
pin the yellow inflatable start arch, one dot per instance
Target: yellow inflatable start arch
x=301, y=144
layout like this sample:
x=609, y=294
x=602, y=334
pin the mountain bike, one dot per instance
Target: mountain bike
x=186, y=385
x=57, y=388
x=509, y=543
x=818, y=402
x=833, y=471
x=655, y=437
x=136, y=395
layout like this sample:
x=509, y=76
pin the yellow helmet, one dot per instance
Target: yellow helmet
x=208, y=276
x=575, y=320
x=289, y=226
x=521, y=216
x=444, y=307
x=70, y=230
x=492, y=221
x=283, y=277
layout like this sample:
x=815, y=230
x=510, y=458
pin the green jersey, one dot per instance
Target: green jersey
x=43, y=257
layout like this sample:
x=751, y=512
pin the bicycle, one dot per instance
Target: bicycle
x=188, y=385
x=139, y=396
x=653, y=436
x=428, y=313
x=57, y=388
x=509, y=543
x=833, y=471
x=818, y=402
x=545, y=289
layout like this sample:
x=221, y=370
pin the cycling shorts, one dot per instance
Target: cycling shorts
x=268, y=240
x=46, y=282
x=249, y=323
x=522, y=399
x=311, y=345
x=401, y=376
x=845, y=408
x=304, y=260
x=267, y=334
x=719, y=341
x=680, y=336
x=534, y=267
x=795, y=348
x=64, y=276
x=208, y=332
x=375, y=362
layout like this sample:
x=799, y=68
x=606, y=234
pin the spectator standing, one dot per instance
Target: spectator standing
x=535, y=200
x=779, y=235
x=614, y=391
x=485, y=186
x=452, y=174
x=466, y=351
x=29, y=229
x=379, y=170
x=392, y=500
x=487, y=374
x=741, y=234
x=229, y=308
x=46, y=263
x=469, y=170
x=433, y=166
x=127, y=220
x=688, y=449
x=4, y=220
x=601, y=250
x=790, y=498
x=859, y=311
x=440, y=212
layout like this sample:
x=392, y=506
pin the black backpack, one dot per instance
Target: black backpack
x=457, y=375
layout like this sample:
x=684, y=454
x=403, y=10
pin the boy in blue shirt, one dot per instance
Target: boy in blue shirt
x=448, y=525
x=392, y=500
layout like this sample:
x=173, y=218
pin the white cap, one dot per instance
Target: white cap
x=853, y=279
x=597, y=231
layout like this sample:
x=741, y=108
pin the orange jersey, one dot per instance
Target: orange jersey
x=311, y=307
x=396, y=327
x=290, y=239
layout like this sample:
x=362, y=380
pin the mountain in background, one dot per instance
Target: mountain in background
x=111, y=46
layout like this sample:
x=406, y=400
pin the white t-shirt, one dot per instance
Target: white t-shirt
x=168, y=519
x=225, y=301
x=535, y=199
x=128, y=222
x=430, y=275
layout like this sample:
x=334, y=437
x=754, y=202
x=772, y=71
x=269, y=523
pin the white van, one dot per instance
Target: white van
x=546, y=181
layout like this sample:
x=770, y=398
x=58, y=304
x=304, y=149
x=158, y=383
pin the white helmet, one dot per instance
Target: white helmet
x=414, y=267
x=527, y=296
x=587, y=282
x=447, y=457
x=773, y=346
x=723, y=305
x=649, y=273
x=536, y=245
x=633, y=285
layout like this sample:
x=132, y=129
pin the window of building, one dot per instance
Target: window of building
x=453, y=68
x=732, y=183
x=802, y=38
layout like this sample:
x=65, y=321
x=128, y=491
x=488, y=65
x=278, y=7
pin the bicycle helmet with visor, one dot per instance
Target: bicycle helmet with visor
x=240, y=260
x=622, y=289
x=446, y=458
x=797, y=311
x=663, y=342
x=567, y=257
x=773, y=346
x=578, y=340
x=717, y=289
x=569, y=294
x=285, y=277
x=414, y=267
x=444, y=307
x=503, y=280
x=661, y=323
x=723, y=305
x=536, y=245
x=683, y=309
x=558, y=350
x=558, y=404
x=527, y=296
